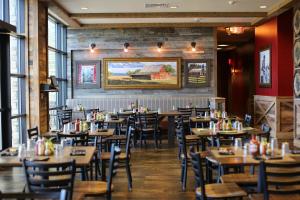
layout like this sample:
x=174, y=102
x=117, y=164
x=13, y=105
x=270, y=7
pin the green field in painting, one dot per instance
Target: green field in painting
x=127, y=80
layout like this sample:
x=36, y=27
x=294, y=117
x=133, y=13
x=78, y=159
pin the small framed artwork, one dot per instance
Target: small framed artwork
x=297, y=84
x=297, y=22
x=297, y=53
x=87, y=74
x=265, y=68
x=197, y=73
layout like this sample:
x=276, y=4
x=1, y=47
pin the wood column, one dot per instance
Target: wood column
x=37, y=64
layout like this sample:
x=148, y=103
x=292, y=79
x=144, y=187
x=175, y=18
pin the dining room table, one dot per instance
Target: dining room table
x=238, y=157
x=9, y=157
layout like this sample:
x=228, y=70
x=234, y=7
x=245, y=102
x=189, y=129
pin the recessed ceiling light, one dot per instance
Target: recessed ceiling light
x=231, y=2
x=223, y=45
x=84, y=8
x=263, y=6
x=174, y=6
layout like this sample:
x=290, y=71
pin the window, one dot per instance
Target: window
x=17, y=72
x=57, y=65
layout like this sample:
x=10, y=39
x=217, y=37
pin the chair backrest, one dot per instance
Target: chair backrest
x=148, y=120
x=113, y=165
x=186, y=113
x=62, y=195
x=201, y=111
x=128, y=140
x=196, y=162
x=181, y=141
x=78, y=139
x=247, y=120
x=266, y=131
x=49, y=177
x=126, y=116
x=280, y=178
x=64, y=116
x=33, y=133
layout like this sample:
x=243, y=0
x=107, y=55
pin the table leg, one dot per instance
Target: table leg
x=103, y=170
x=171, y=120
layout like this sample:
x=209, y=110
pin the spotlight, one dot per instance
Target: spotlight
x=159, y=45
x=126, y=45
x=92, y=47
x=193, y=44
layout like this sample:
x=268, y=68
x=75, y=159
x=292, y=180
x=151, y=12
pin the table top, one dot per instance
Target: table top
x=97, y=133
x=82, y=160
x=200, y=119
x=170, y=113
x=206, y=132
x=239, y=158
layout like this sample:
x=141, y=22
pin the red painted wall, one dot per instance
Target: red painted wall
x=266, y=36
x=277, y=33
x=285, y=53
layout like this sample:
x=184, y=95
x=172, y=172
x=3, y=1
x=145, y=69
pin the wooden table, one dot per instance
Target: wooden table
x=97, y=133
x=201, y=120
x=81, y=161
x=239, y=159
x=171, y=124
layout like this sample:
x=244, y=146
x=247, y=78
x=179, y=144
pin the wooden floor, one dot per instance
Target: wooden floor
x=156, y=175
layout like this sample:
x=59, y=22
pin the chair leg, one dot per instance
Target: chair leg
x=184, y=176
x=155, y=140
x=129, y=177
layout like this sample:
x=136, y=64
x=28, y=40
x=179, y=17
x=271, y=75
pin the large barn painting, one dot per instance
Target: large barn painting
x=142, y=73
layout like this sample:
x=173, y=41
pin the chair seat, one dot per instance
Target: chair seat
x=275, y=197
x=191, y=137
x=116, y=137
x=240, y=179
x=89, y=188
x=227, y=190
x=203, y=154
x=106, y=156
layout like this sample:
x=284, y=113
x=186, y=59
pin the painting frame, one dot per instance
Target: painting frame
x=82, y=69
x=108, y=64
x=187, y=75
x=265, y=67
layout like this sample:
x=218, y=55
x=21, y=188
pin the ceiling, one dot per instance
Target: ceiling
x=97, y=13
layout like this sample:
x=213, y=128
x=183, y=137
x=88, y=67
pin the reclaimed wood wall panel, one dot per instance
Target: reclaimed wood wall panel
x=297, y=67
x=37, y=64
x=143, y=41
x=277, y=112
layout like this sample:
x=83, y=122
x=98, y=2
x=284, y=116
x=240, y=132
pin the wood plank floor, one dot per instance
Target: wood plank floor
x=156, y=175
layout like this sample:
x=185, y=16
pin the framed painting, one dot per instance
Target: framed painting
x=87, y=74
x=297, y=53
x=142, y=73
x=197, y=73
x=265, y=68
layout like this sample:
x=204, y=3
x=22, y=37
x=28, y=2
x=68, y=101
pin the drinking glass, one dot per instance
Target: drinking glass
x=238, y=143
x=285, y=148
x=274, y=144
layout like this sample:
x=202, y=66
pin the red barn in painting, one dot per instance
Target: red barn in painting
x=156, y=72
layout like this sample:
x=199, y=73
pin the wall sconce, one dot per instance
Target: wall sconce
x=92, y=47
x=193, y=44
x=159, y=45
x=126, y=45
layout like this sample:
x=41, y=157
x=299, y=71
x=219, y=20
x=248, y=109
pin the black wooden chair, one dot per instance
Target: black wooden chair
x=78, y=139
x=64, y=117
x=148, y=126
x=62, y=195
x=124, y=157
x=266, y=129
x=280, y=180
x=50, y=177
x=247, y=120
x=201, y=111
x=33, y=133
x=100, y=188
x=184, y=156
x=190, y=140
x=186, y=113
x=212, y=191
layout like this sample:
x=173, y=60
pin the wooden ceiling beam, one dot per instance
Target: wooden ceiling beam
x=157, y=25
x=56, y=9
x=167, y=15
